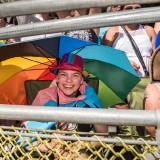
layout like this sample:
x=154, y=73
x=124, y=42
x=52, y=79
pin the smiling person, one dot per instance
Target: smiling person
x=70, y=90
x=70, y=87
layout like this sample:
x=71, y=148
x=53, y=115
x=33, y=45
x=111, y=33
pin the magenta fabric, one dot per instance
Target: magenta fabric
x=71, y=62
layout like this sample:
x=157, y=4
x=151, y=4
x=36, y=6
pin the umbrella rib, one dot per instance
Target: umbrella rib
x=41, y=52
x=34, y=69
x=37, y=61
x=80, y=49
x=90, y=61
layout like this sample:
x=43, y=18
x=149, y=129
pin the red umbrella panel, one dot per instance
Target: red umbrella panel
x=15, y=71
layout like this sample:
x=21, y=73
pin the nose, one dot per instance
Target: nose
x=69, y=78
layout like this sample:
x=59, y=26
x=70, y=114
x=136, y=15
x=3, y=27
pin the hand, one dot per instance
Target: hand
x=44, y=147
x=135, y=65
x=41, y=147
x=8, y=41
x=122, y=106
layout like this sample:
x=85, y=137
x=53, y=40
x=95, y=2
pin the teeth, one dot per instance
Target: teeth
x=68, y=86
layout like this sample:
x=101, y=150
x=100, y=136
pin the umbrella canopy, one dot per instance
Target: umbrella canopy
x=31, y=60
x=112, y=67
x=48, y=47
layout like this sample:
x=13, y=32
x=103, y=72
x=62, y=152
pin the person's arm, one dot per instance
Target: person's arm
x=95, y=11
x=110, y=36
x=151, y=102
x=152, y=35
x=101, y=128
x=45, y=16
x=157, y=27
x=134, y=65
x=63, y=14
x=152, y=95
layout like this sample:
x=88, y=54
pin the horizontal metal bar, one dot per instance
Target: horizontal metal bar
x=79, y=115
x=20, y=129
x=88, y=139
x=148, y=15
x=30, y=7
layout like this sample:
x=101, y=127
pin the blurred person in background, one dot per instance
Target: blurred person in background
x=80, y=12
x=3, y=23
x=144, y=37
x=34, y=19
x=157, y=27
x=103, y=30
x=85, y=34
x=152, y=102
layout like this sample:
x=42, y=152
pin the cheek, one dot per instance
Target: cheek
x=77, y=84
x=60, y=80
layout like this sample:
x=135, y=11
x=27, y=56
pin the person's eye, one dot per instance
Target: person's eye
x=62, y=74
x=76, y=75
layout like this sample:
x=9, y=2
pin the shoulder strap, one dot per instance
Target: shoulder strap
x=137, y=51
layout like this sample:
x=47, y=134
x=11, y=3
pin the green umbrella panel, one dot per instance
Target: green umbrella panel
x=113, y=69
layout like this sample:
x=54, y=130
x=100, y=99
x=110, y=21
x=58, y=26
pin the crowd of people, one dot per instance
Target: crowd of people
x=70, y=85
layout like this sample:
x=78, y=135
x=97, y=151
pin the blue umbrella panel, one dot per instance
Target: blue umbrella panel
x=113, y=68
x=49, y=47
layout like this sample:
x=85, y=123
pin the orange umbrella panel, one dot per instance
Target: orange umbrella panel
x=15, y=71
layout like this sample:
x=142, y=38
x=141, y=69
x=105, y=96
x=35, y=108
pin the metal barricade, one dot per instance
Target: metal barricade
x=56, y=144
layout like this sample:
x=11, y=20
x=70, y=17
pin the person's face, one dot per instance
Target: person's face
x=69, y=82
x=2, y=22
x=115, y=8
x=79, y=12
x=132, y=6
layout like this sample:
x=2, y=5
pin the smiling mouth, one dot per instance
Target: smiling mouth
x=67, y=86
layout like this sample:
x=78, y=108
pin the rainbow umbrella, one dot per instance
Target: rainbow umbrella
x=30, y=60
x=111, y=66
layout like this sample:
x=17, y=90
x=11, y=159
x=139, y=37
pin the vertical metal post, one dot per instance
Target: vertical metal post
x=112, y=129
x=158, y=128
